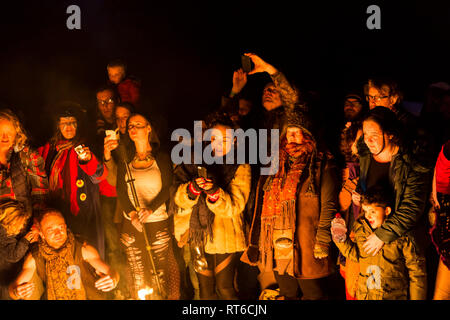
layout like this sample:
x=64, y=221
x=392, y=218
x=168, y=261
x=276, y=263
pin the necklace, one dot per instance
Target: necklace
x=139, y=158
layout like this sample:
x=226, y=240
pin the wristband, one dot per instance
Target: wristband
x=214, y=196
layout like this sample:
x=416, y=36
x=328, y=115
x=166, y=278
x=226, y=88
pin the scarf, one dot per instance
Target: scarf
x=278, y=215
x=63, y=172
x=57, y=262
x=57, y=163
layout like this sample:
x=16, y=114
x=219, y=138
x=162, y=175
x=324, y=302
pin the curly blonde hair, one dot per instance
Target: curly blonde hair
x=13, y=217
x=21, y=135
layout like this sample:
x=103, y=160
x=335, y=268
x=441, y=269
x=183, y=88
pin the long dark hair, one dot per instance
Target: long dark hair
x=388, y=122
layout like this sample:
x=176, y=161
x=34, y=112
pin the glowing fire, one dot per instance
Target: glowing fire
x=143, y=293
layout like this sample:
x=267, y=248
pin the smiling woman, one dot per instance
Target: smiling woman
x=22, y=175
x=385, y=160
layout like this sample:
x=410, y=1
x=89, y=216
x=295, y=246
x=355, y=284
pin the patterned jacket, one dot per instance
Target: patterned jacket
x=24, y=178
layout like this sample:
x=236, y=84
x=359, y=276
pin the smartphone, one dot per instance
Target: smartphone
x=202, y=172
x=246, y=64
x=79, y=150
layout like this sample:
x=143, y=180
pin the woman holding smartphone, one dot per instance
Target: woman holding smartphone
x=208, y=207
x=74, y=174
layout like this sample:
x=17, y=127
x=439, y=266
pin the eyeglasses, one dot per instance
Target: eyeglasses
x=104, y=102
x=66, y=124
x=132, y=126
x=376, y=98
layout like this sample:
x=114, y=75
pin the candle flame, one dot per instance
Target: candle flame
x=143, y=293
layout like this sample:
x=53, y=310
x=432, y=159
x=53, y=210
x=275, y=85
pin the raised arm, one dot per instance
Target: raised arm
x=289, y=95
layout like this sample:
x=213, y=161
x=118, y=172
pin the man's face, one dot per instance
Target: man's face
x=68, y=127
x=7, y=134
x=116, y=74
x=381, y=98
x=54, y=230
x=271, y=98
x=352, y=108
x=122, y=115
x=375, y=139
x=375, y=214
x=294, y=135
x=106, y=104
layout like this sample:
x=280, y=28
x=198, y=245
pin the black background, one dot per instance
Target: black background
x=185, y=52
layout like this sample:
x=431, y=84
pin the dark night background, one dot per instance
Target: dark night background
x=185, y=52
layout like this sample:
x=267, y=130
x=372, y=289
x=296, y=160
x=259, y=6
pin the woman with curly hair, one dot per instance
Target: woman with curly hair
x=22, y=173
x=15, y=238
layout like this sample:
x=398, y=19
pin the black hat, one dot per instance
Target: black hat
x=297, y=117
x=69, y=109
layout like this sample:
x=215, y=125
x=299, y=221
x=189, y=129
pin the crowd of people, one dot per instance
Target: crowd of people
x=101, y=212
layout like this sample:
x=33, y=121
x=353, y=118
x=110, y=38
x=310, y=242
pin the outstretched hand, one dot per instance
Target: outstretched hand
x=260, y=65
x=239, y=81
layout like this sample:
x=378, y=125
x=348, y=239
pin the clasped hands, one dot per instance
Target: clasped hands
x=140, y=217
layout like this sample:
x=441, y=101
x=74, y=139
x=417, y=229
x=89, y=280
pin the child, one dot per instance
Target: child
x=13, y=247
x=397, y=267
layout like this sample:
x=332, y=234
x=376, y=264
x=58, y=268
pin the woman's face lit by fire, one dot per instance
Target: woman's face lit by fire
x=8, y=135
x=138, y=128
x=221, y=140
x=68, y=127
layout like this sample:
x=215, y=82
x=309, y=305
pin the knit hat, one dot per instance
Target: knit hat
x=296, y=117
x=68, y=109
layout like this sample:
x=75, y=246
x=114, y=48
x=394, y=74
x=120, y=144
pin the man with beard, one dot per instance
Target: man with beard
x=353, y=111
x=69, y=268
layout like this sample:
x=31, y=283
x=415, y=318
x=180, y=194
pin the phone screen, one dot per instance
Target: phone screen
x=246, y=64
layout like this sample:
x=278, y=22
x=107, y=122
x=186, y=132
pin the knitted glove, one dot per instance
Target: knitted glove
x=320, y=251
x=193, y=190
x=213, y=193
x=215, y=188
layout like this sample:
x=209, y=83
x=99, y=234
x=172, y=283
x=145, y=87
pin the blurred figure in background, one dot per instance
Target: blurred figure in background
x=127, y=87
